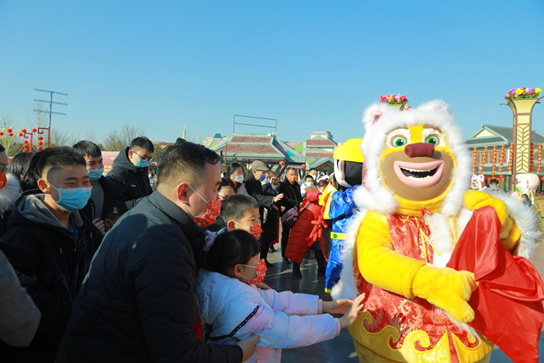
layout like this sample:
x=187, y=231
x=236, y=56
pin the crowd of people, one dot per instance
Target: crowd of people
x=138, y=267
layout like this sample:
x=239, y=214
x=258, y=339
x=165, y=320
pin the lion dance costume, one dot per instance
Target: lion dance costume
x=414, y=204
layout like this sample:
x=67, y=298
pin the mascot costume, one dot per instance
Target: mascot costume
x=414, y=204
x=339, y=204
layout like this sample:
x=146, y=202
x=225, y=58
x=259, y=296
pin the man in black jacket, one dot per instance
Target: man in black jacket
x=105, y=192
x=50, y=245
x=138, y=302
x=130, y=169
x=254, y=187
x=291, y=189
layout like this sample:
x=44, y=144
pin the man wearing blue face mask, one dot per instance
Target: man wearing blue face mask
x=130, y=170
x=105, y=192
x=50, y=244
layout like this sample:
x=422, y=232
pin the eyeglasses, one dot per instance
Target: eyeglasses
x=145, y=157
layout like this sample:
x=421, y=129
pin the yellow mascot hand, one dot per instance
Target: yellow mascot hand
x=447, y=289
x=509, y=234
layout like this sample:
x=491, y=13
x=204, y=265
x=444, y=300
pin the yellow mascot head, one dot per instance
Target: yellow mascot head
x=414, y=159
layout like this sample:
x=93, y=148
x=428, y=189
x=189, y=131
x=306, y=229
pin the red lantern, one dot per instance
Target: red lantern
x=1, y=133
x=303, y=166
x=10, y=134
x=25, y=142
x=40, y=138
x=40, y=143
x=9, y=130
x=23, y=131
x=34, y=130
x=282, y=163
x=20, y=134
x=40, y=148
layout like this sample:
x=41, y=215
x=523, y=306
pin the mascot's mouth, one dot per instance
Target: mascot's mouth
x=419, y=175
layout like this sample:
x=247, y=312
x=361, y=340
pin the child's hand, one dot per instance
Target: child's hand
x=262, y=285
x=340, y=306
x=353, y=313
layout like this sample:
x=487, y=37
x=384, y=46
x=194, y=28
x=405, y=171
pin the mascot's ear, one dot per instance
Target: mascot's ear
x=436, y=105
x=375, y=112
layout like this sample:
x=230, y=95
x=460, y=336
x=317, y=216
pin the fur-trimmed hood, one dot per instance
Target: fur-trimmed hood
x=379, y=120
x=9, y=193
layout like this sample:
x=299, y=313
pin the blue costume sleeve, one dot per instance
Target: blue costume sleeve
x=342, y=203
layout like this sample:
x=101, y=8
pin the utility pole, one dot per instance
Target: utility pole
x=41, y=129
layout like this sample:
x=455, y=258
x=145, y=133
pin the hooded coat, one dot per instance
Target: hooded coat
x=8, y=196
x=50, y=264
x=132, y=180
x=281, y=319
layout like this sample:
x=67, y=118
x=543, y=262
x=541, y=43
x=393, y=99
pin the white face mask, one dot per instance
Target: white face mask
x=239, y=178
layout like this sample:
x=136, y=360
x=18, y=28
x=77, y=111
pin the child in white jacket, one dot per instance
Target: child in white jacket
x=229, y=300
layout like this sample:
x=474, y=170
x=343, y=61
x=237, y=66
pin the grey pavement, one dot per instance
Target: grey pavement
x=339, y=350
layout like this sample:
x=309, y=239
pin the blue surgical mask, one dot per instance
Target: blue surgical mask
x=142, y=164
x=262, y=177
x=73, y=199
x=95, y=174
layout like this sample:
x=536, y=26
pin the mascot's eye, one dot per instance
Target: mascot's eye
x=399, y=141
x=432, y=140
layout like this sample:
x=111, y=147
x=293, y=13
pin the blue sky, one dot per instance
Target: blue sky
x=313, y=65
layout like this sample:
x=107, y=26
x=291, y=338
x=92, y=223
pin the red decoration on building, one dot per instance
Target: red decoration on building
x=501, y=158
x=484, y=157
x=494, y=160
x=474, y=156
x=510, y=156
x=539, y=159
x=282, y=163
x=532, y=160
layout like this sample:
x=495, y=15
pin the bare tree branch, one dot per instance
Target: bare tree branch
x=117, y=140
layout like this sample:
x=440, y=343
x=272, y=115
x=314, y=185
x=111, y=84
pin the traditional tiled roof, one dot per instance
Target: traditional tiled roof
x=320, y=142
x=499, y=135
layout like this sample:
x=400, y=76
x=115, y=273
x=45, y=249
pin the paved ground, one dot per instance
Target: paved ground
x=339, y=350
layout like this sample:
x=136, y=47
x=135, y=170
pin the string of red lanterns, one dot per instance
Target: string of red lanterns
x=484, y=157
x=532, y=159
x=510, y=156
x=501, y=158
x=494, y=160
x=539, y=164
x=26, y=135
x=474, y=156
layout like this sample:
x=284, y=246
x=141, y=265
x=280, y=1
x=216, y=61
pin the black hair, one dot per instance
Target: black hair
x=237, y=206
x=53, y=157
x=143, y=143
x=185, y=161
x=322, y=183
x=19, y=164
x=308, y=176
x=87, y=148
x=225, y=183
x=231, y=248
x=233, y=167
x=493, y=181
x=115, y=210
x=2, y=148
x=312, y=169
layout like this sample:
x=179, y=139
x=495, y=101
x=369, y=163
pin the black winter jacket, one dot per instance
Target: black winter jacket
x=291, y=194
x=112, y=193
x=138, y=302
x=255, y=189
x=50, y=264
x=132, y=180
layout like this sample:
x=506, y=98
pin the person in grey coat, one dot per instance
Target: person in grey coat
x=19, y=316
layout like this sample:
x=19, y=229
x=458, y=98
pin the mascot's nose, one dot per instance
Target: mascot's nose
x=419, y=149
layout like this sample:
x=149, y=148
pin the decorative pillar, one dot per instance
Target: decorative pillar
x=521, y=102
